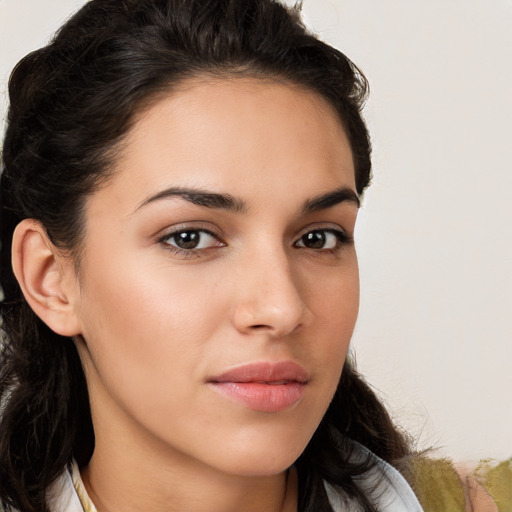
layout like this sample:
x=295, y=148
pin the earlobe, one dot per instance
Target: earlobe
x=43, y=274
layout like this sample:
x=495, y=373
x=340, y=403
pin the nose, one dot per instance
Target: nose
x=269, y=297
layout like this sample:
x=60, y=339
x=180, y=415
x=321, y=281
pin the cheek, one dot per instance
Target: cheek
x=146, y=341
x=335, y=298
x=336, y=307
x=146, y=296
x=144, y=326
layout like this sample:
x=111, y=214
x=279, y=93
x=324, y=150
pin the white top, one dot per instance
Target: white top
x=386, y=488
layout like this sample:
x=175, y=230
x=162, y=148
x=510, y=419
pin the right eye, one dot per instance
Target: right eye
x=191, y=240
x=323, y=239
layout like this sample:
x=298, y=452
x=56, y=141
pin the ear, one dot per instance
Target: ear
x=46, y=277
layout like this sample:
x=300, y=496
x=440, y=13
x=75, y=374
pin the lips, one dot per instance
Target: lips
x=265, y=387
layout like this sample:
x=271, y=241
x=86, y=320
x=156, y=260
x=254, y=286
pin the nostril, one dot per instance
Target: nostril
x=275, y=330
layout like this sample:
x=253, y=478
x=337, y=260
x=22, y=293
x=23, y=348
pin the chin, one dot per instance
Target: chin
x=260, y=467
x=259, y=459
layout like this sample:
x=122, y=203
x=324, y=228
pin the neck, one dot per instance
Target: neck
x=124, y=475
x=112, y=488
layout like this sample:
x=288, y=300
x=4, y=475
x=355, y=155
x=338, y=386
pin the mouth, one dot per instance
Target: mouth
x=264, y=387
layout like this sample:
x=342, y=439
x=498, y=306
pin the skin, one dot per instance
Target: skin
x=154, y=324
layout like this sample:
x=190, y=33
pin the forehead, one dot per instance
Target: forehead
x=236, y=135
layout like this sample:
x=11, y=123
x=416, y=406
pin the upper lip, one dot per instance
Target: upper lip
x=277, y=372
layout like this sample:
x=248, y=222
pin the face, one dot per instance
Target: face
x=219, y=285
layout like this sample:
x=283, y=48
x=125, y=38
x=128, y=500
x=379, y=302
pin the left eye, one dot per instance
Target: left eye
x=322, y=239
x=190, y=239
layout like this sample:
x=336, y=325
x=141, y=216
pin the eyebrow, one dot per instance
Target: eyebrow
x=233, y=204
x=330, y=199
x=200, y=198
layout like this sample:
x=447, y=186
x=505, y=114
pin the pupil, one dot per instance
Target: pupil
x=314, y=240
x=187, y=239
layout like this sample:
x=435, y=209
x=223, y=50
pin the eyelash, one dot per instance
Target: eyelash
x=342, y=239
x=193, y=251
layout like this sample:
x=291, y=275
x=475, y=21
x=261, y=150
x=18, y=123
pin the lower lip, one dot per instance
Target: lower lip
x=262, y=397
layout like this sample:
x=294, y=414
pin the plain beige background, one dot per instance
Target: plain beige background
x=434, y=335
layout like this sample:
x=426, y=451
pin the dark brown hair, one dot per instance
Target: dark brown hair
x=71, y=104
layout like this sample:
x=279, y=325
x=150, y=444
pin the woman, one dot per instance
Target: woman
x=179, y=191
